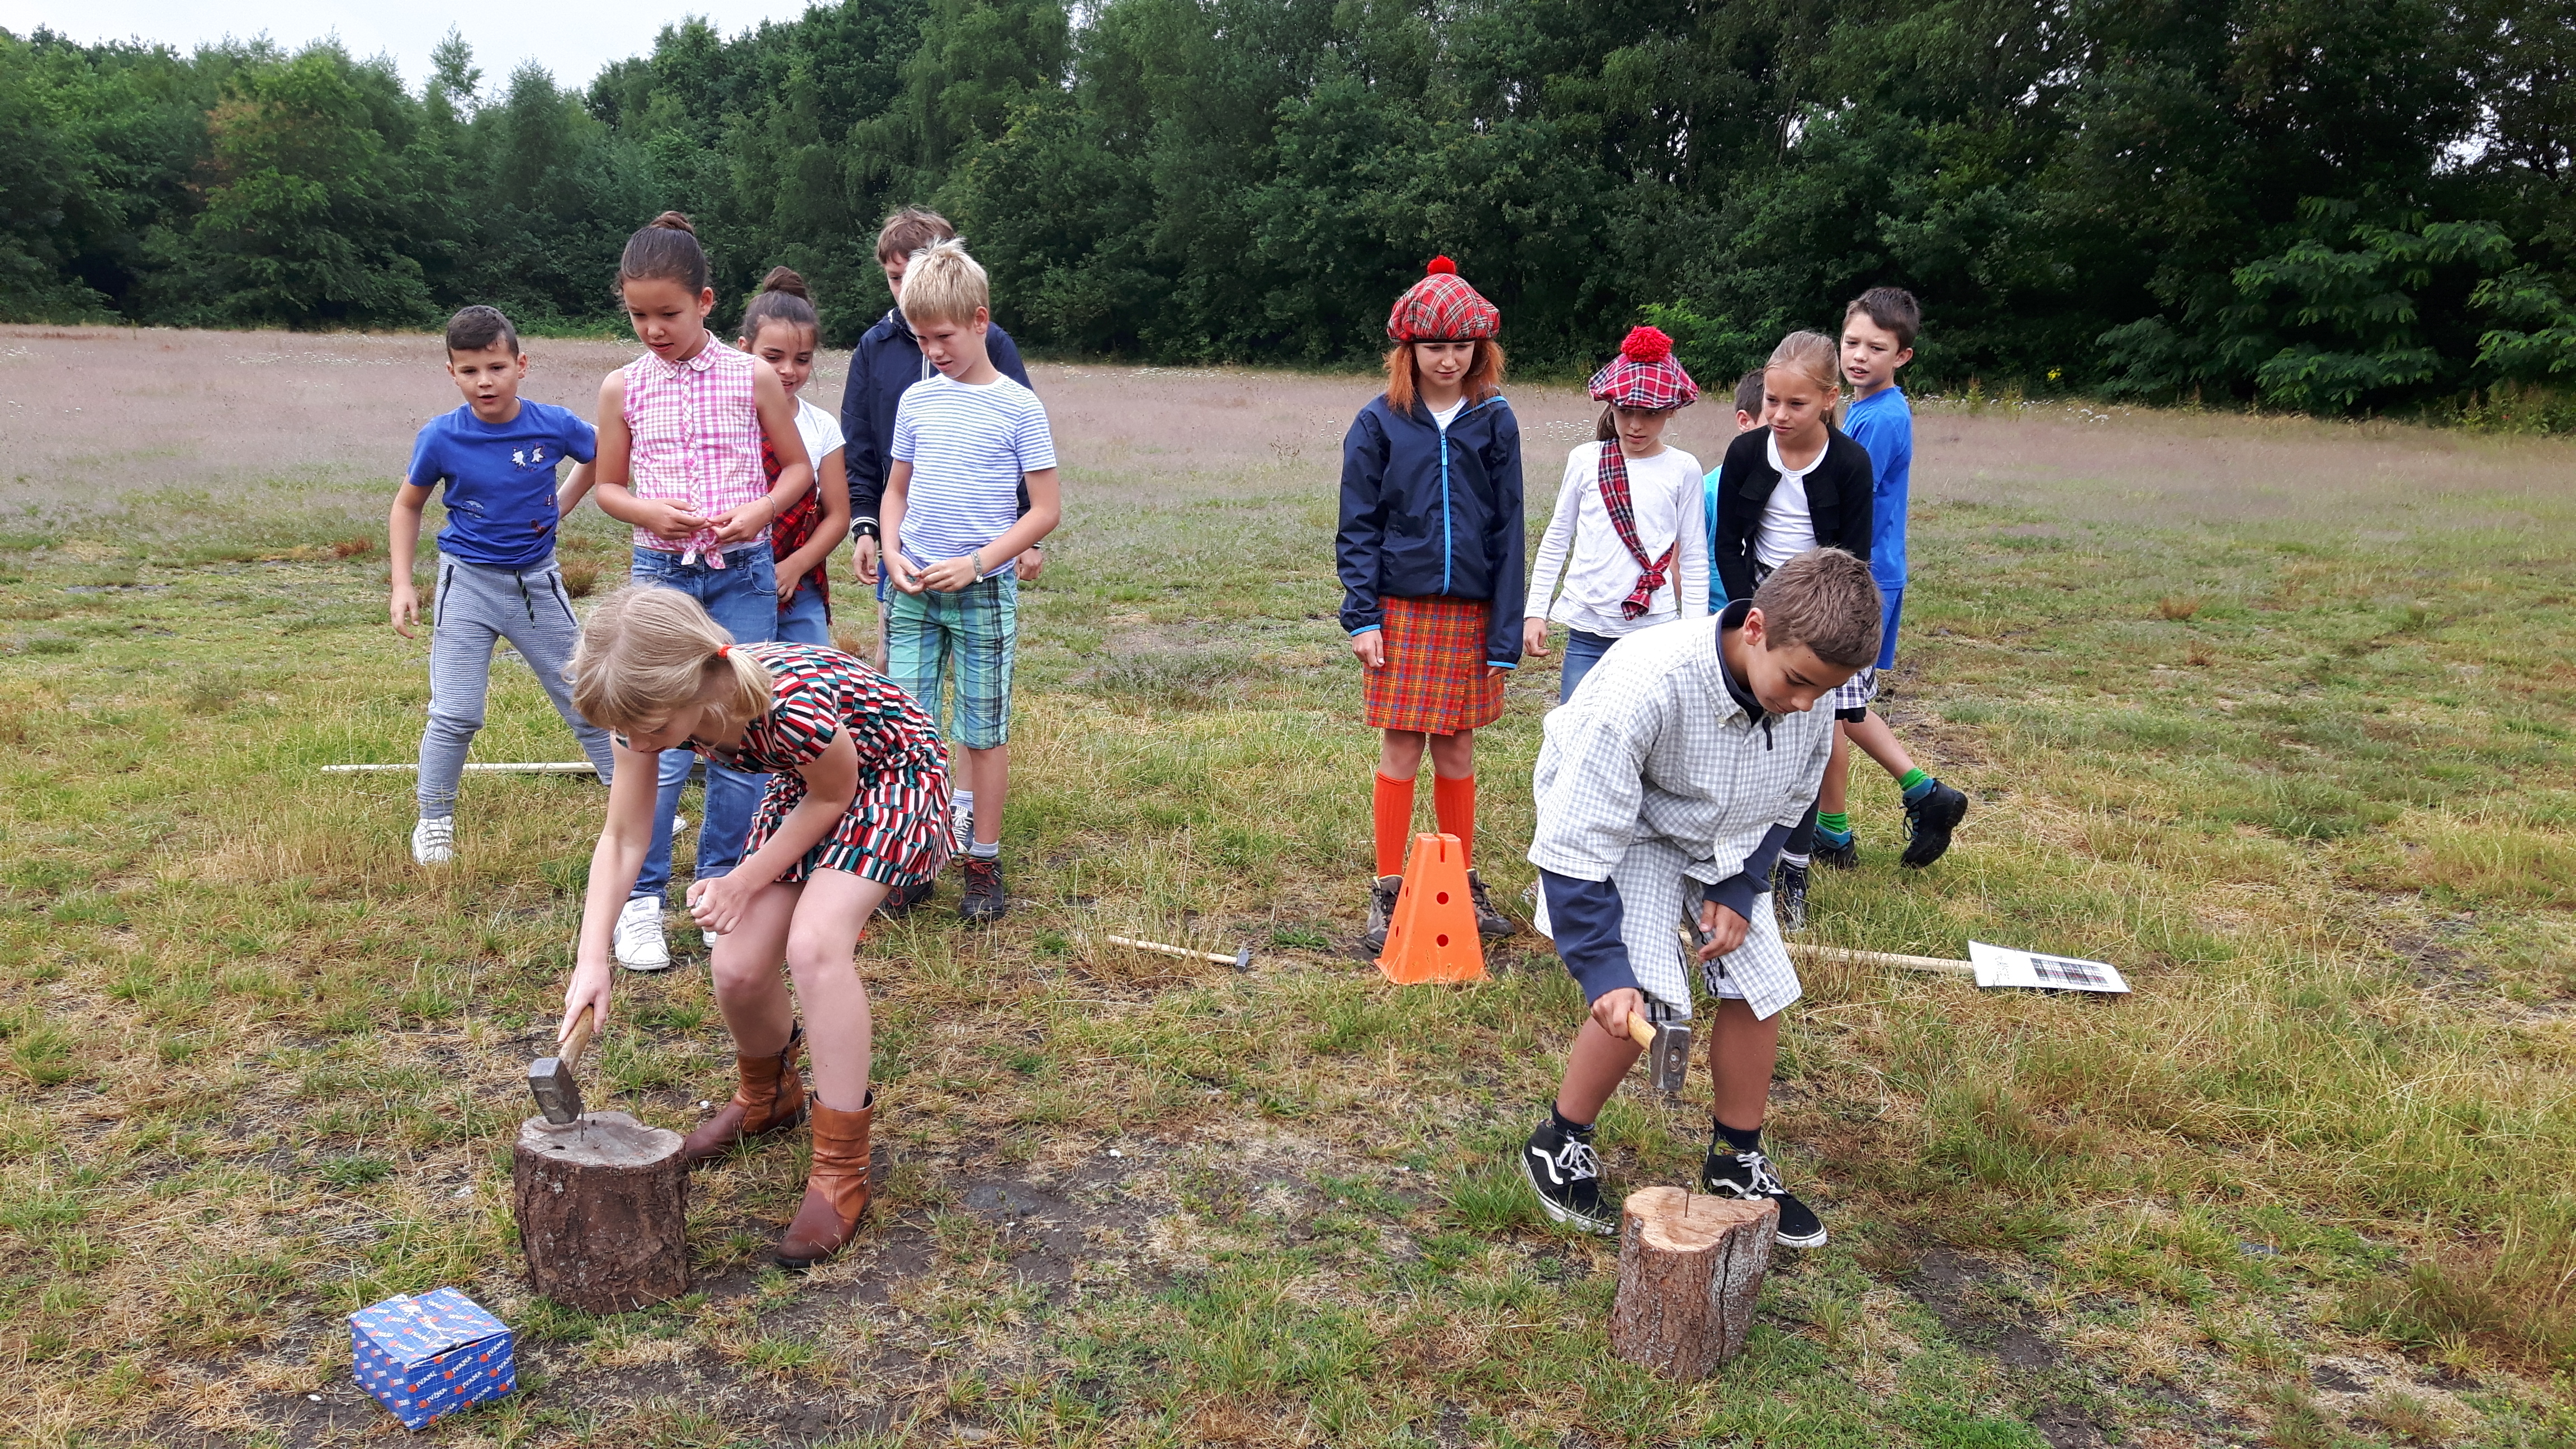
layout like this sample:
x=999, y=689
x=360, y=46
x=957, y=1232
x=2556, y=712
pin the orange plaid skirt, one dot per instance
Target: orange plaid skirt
x=1434, y=680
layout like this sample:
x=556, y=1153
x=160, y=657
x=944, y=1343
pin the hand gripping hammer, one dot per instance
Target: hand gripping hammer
x=551, y=1080
x=1667, y=1045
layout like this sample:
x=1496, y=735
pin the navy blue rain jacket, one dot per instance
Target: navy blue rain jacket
x=886, y=361
x=1429, y=513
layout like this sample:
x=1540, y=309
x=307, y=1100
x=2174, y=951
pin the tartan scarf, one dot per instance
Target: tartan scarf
x=1623, y=517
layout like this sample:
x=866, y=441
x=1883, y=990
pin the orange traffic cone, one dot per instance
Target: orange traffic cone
x=1433, y=936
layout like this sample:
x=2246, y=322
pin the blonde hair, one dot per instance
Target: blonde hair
x=646, y=652
x=943, y=284
x=1814, y=355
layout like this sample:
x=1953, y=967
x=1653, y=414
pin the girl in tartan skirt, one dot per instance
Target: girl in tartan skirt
x=1429, y=552
x=1628, y=532
x=856, y=810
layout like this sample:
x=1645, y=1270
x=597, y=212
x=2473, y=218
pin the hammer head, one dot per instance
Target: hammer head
x=558, y=1095
x=1668, y=1059
x=1243, y=958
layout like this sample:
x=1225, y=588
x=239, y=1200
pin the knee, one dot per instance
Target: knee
x=454, y=720
x=737, y=972
x=813, y=954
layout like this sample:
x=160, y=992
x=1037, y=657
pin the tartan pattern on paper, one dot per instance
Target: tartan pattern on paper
x=896, y=829
x=428, y=1356
x=697, y=438
x=1654, y=778
x=1434, y=680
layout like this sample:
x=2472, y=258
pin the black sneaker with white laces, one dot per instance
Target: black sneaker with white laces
x=1789, y=893
x=1748, y=1175
x=1566, y=1174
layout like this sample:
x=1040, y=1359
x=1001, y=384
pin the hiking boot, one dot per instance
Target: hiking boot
x=985, y=898
x=836, y=1189
x=433, y=840
x=1566, y=1174
x=1490, y=923
x=1789, y=895
x=904, y=900
x=1845, y=856
x=639, y=942
x=1382, y=894
x=1928, y=823
x=770, y=1098
x=1749, y=1175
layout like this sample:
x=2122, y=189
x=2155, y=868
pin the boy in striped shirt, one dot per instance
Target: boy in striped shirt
x=965, y=439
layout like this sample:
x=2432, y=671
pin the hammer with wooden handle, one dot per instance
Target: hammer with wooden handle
x=1240, y=960
x=558, y=1094
x=1667, y=1045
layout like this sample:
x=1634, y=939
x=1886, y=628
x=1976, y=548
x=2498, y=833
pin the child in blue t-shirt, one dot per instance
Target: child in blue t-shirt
x=1748, y=416
x=497, y=579
x=1879, y=328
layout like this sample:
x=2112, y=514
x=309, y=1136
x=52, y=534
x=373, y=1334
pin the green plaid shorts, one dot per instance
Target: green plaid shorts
x=978, y=628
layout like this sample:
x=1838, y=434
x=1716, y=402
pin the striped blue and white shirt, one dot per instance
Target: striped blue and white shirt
x=969, y=446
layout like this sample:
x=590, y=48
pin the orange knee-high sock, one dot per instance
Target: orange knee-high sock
x=1393, y=808
x=1454, y=801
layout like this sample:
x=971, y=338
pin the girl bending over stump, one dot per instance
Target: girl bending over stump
x=856, y=808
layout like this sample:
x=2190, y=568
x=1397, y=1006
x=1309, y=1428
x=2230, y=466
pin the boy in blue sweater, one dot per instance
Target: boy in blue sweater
x=1879, y=328
x=496, y=456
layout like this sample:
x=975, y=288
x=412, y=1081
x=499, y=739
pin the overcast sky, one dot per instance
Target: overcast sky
x=572, y=38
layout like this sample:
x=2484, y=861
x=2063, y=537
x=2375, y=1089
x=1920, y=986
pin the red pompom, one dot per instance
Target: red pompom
x=1440, y=265
x=1646, y=344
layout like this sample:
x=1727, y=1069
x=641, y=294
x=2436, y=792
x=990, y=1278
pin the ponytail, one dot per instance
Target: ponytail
x=667, y=250
x=647, y=652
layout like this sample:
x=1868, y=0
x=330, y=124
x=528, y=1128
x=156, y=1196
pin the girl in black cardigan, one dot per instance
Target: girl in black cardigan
x=1797, y=482
x=1793, y=484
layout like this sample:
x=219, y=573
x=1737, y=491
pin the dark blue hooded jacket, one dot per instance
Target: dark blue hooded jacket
x=1431, y=513
x=886, y=361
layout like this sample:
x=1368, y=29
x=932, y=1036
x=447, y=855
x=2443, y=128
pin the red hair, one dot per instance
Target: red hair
x=1403, y=382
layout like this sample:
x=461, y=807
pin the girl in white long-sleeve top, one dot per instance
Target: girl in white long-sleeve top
x=1629, y=535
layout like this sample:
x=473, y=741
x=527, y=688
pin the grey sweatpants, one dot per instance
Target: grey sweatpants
x=472, y=606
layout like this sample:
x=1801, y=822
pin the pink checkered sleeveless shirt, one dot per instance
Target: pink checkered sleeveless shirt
x=697, y=438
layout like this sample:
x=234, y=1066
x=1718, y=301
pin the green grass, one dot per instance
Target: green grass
x=2304, y=777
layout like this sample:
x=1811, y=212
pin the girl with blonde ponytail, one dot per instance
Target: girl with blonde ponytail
x=856, y=810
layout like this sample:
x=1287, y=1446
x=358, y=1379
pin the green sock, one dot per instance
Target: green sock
x=1834, y=827
x=1914, y=784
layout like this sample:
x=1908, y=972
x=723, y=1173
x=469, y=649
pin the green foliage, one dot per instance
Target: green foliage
x=2333, y=209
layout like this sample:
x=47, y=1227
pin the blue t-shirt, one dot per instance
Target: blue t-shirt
x=500, y=480
x=1708, y=502
x=1883, y=424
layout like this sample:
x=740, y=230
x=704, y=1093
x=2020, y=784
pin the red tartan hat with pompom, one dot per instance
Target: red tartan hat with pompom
x=1442, y=308
x=1644, y=377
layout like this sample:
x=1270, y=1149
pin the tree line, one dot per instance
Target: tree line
x=2328, y=205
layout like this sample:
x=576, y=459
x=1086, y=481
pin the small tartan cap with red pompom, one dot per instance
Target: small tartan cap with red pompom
x=1644, y=377
x=1442, y=308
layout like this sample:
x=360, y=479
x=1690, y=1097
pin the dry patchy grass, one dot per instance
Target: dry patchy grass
x=2272, y=713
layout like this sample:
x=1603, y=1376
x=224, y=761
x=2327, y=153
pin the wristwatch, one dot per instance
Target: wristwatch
x=863, y=528
x=977, y=559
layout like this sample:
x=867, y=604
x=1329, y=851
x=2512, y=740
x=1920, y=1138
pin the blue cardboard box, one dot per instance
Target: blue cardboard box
x=428, y=1356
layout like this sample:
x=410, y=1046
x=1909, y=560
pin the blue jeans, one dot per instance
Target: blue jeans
x=742, y=597
x=805, y=621
x=1582, y=651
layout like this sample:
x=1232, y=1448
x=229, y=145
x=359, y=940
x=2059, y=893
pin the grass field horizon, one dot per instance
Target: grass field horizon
x=2272, y=713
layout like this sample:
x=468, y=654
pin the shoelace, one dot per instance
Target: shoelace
x=1766, y=1183
x=1573, y=1161
x=437, y=832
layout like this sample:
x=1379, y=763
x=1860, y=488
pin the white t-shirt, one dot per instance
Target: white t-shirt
x=821, y=432
x=1788, y=527
x=969, y=445
x=1442, y=416
x=1665, y=493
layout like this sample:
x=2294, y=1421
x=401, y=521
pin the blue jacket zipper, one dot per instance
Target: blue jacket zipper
x=1448, y=545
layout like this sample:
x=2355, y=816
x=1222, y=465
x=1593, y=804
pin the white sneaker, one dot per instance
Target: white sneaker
x=679, y=825
x=640, y=946
x=433, y=842
x=961, y=825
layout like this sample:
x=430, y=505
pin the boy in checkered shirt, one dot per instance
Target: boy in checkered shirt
x=1668, y=785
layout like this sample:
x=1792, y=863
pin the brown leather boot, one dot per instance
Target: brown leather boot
x=770, y=1099
x=836, y=1191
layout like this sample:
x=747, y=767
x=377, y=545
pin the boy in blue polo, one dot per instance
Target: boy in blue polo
x=496, y=457
x=1879, y=328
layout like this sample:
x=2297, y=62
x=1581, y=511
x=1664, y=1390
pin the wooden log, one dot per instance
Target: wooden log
x=1690, y=1268
x=603, y=1211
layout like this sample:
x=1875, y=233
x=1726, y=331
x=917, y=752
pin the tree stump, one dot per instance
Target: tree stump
x=603, y=1211
x=1690, y=1268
